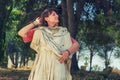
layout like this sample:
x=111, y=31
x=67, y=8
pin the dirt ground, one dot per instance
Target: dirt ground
x=22, y=74
x=14, y=74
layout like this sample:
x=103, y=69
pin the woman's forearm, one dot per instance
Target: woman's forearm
x=75, y=46
x=24, y=30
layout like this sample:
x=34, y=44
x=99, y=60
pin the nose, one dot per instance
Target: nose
x=57, y=15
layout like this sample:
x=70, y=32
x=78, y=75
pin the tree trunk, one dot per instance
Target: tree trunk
x=91, y=57
x=4, y=13
x=74, y=64
x=106, y=60
x=70, y=12
x=64, y=14
x=10, y=64
x=79, y=7
x=72, y=29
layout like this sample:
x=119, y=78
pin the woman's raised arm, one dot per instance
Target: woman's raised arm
x=23, y=32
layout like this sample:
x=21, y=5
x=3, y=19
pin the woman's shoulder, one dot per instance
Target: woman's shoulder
x=40, y=28
x=63, y=28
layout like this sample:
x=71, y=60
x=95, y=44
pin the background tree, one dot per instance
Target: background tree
x=5, y=11
x=98, y=26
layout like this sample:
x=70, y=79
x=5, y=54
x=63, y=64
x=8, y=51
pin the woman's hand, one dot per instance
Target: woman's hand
x=64, y=56
x=37, y=21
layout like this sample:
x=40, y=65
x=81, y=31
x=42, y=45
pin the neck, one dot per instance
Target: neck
x=52, y=25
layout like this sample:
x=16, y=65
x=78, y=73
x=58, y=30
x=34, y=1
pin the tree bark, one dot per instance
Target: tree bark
x=72, y=29
x=91, y=58
x=64, y=14
x=4, y=14
x=79, y=7
x=70, y=12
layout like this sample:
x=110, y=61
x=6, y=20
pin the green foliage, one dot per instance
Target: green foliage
x=99, y=35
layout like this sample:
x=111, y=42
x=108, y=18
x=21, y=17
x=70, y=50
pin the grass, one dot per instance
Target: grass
x=14, y=74
x=22, y=74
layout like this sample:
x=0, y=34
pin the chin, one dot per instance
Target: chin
x=57, y=21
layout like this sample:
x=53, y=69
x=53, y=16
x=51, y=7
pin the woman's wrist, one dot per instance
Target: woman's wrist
x=35, y=23
x=68, y=52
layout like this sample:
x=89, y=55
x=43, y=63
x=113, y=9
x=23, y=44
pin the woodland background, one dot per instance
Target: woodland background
x=94, y=23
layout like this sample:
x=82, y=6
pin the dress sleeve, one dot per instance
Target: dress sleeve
x=73, y=40
x=29, y=36
x=35, y=43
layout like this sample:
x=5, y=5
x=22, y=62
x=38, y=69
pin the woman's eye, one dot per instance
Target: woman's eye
x=54, y=14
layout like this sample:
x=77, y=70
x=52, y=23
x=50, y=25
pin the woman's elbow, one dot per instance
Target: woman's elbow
x=21, y=34
x=78, y=45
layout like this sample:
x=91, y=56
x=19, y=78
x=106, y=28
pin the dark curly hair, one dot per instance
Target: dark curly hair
x=44, y=14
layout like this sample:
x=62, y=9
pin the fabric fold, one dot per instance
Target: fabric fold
x=46, y=43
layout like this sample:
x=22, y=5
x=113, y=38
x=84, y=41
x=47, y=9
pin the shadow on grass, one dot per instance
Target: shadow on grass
x=8, y=74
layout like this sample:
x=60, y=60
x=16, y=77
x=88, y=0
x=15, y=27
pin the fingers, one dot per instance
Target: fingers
x=61, y=59
x=38, y=20
x=64, y=57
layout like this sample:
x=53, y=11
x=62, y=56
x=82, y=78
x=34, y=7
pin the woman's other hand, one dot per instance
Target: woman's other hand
x=64, y=56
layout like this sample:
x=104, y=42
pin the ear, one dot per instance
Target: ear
x=46, y=19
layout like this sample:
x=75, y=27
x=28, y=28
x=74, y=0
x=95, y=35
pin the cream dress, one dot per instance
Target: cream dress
x=49, y=43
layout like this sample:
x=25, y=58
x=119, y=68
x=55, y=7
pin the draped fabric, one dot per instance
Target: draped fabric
x=49, y=43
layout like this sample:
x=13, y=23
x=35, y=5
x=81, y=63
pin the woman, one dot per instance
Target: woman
x=53, y=45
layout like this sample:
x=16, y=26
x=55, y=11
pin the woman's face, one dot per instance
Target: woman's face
x=53, y=18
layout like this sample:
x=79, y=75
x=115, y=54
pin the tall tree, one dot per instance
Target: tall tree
x=64, y=13
x=72, y=28
x=70, y=17
x=5, y=10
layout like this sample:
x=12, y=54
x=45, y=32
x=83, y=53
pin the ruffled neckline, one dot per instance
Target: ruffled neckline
x=55, y=31
x=53, y=28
